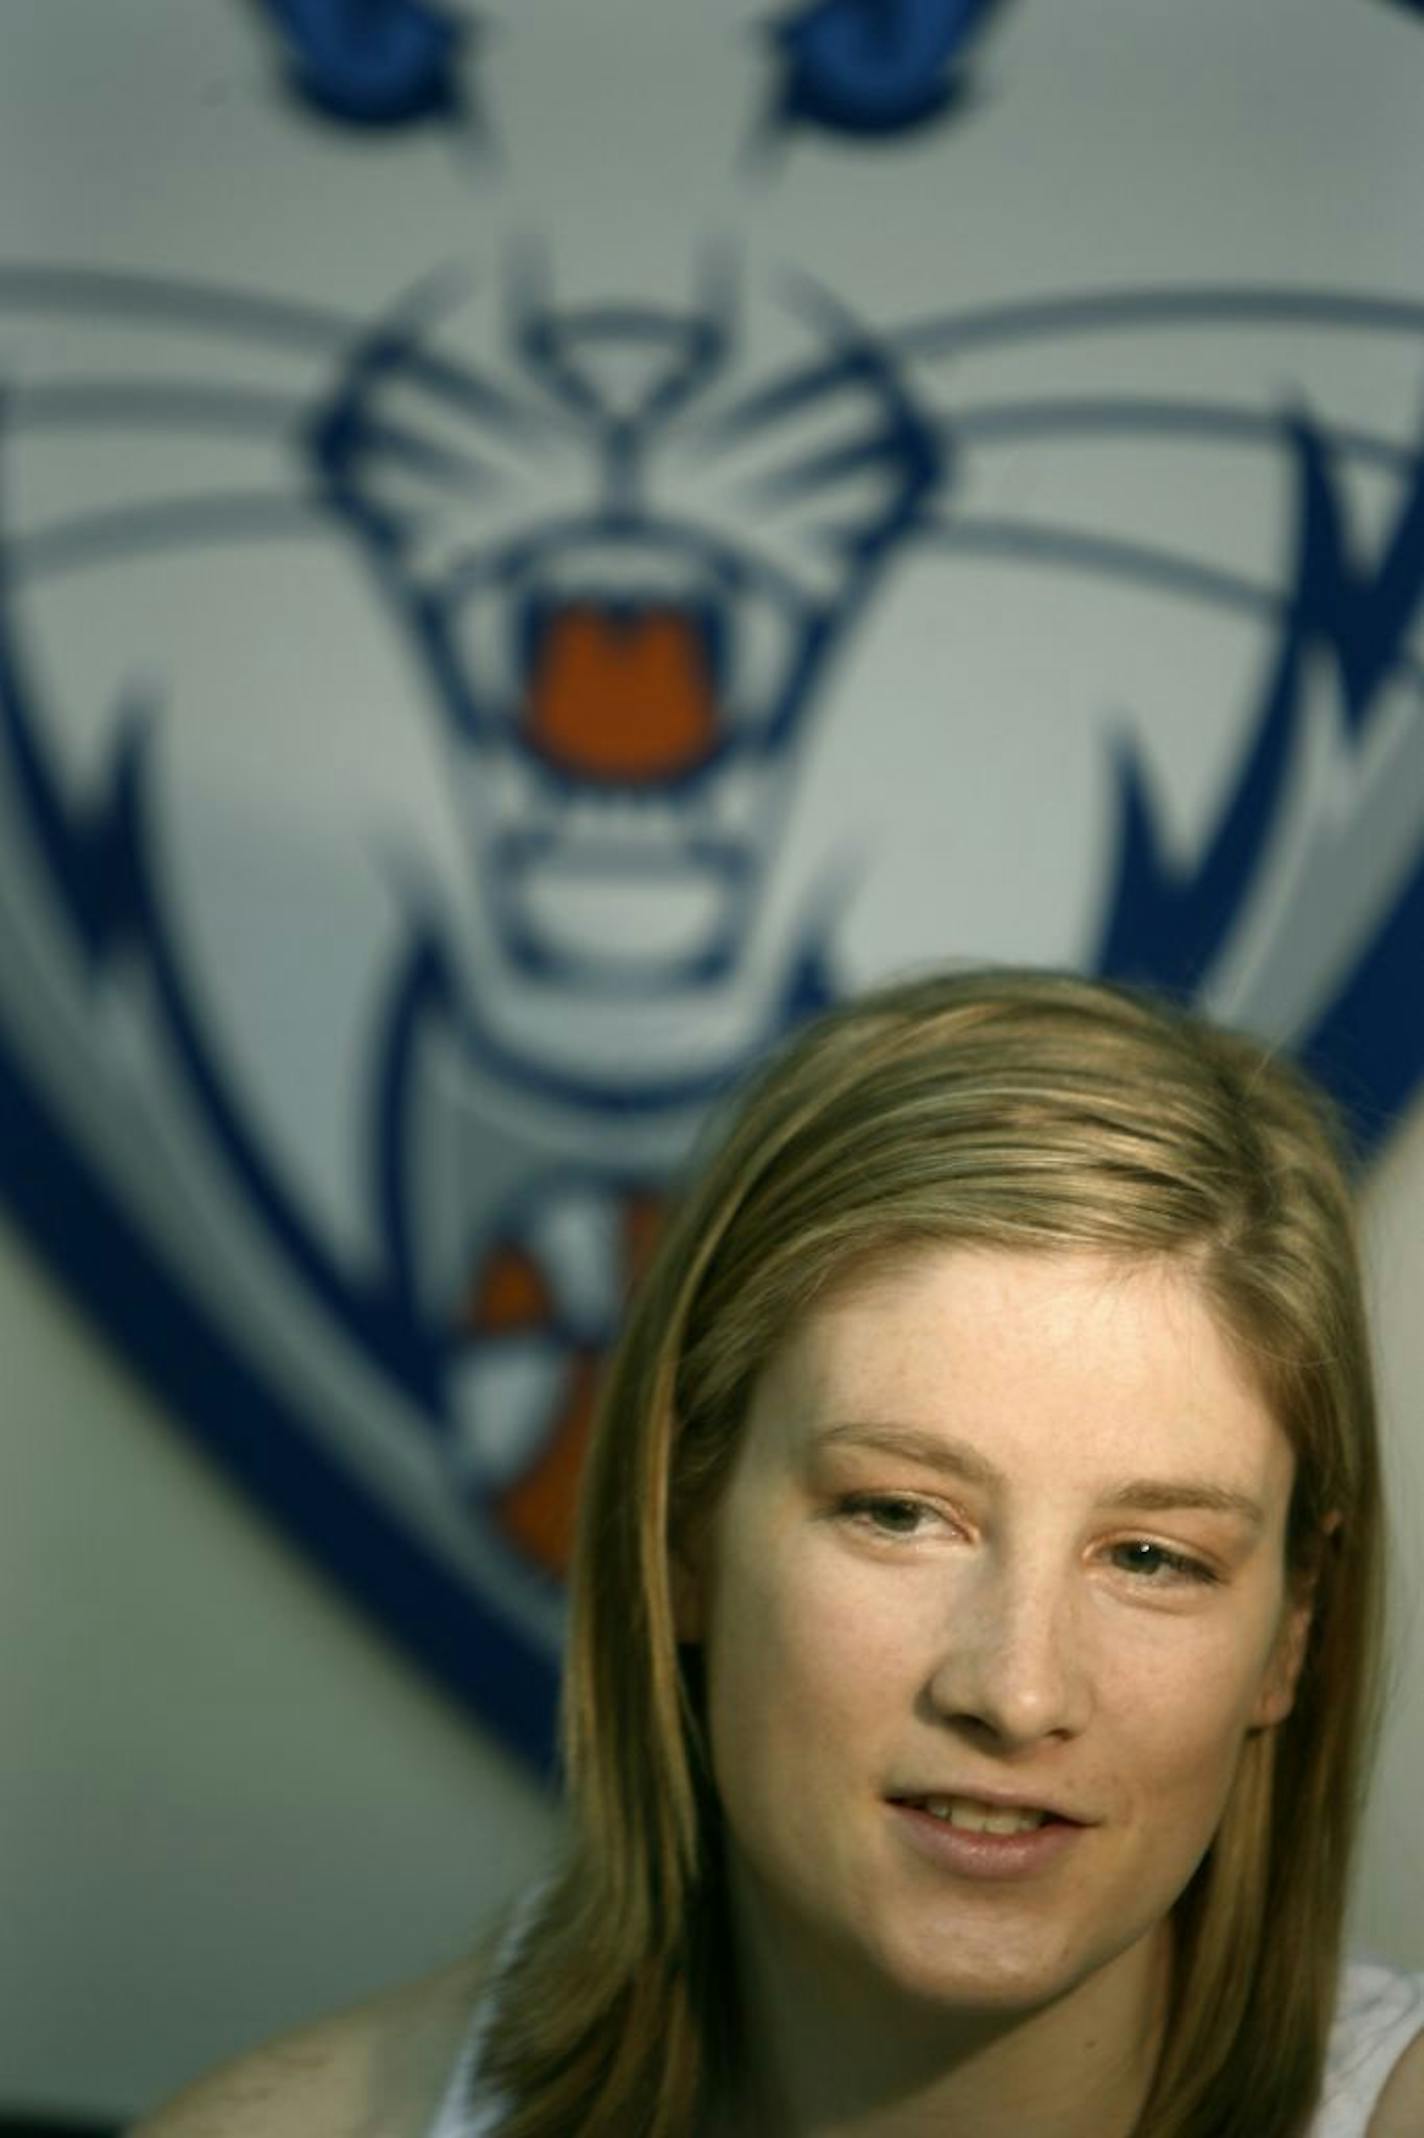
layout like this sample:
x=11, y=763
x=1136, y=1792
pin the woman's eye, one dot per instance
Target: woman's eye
x=1158, y=1563
x=886, y=1515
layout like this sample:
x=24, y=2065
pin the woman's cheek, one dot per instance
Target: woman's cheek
x=1193, y=1718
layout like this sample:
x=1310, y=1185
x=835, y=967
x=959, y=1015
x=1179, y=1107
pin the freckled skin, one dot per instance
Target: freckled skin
x=1020, y=1633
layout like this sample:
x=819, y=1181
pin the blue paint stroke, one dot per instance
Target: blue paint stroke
x=1166, y=923
x=875, y=67
x=371, y=63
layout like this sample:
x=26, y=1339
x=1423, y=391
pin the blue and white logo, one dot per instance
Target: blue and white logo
x=665, y=521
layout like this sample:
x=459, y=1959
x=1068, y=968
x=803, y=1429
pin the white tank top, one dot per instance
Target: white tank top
x=1378, y=2015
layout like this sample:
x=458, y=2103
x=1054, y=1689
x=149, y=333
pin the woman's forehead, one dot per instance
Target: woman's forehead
x=1079, y=1362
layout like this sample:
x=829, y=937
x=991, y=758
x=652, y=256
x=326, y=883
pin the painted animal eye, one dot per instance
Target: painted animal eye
x=876, y=67
x=371, y=63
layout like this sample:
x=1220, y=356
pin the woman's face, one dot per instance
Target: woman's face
x=1003, y=1543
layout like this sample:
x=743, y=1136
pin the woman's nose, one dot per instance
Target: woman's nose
x=1013, y=1659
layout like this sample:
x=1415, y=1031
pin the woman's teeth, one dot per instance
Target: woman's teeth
x=981, y=1818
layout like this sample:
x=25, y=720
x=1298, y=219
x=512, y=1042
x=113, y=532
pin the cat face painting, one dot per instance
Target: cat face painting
x=541, y=543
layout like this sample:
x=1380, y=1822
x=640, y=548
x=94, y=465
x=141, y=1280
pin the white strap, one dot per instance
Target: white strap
x=468, y=2110
x=1379, y=2014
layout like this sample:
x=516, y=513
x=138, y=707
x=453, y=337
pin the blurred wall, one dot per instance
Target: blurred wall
x=225, y=1803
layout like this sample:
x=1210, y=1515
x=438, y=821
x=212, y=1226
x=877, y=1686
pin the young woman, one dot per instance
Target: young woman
x=974, y=1631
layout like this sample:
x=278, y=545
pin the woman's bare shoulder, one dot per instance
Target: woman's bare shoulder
x=375, y=2071
x=1400, y=2113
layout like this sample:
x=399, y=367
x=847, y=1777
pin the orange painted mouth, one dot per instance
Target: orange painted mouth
x=622, y=697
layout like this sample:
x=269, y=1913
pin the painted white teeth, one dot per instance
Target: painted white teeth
x=978, y=1818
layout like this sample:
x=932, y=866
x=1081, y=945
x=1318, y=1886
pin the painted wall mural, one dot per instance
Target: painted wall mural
x=539, y=544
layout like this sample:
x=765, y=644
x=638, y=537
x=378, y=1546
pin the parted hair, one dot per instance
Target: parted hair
x=1014, y=1109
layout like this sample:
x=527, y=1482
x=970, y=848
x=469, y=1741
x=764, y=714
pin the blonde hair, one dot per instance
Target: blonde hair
x=1013, y=1109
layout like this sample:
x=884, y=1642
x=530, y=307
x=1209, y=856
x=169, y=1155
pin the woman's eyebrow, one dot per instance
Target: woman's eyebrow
x=956, y=1458
x=936, y=1451
x=1155, y=1495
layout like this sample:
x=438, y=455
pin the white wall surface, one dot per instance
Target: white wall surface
x=225, y=1804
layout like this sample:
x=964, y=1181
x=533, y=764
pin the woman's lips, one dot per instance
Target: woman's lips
x=977, y=1850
